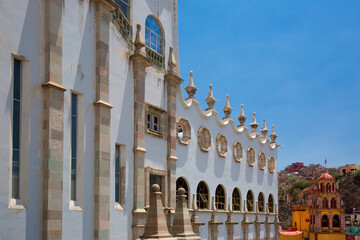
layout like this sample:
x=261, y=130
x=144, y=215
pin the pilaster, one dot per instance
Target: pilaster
x=102, y=109
x=140, y=62
x=53, y=118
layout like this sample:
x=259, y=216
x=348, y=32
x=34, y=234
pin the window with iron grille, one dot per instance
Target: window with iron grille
x=261, y=203
x=236, y=200
x=250, y=201
x=202, y=196
x=271, y=203
x=74, y=118
x=220, y=197
x=181, y=183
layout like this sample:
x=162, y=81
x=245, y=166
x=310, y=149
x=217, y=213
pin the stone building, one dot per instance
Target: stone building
x=93, y=114
x=348, y=169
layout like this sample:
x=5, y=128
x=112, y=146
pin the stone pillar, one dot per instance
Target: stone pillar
x=245, y=223
x=267, y=223
x=102, y=109
x=173, y=81
x=195, y=218
x=257, y=223
x=53, y=119
x=214, y=223
x=181, y=227
x=230, y=223
x=156, y=226
x=276, y=224
x=140, y=62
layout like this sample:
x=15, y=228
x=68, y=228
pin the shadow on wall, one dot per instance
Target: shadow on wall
x=260, y=176
x=201, y=160
x=249, y=172
x=235, y=169
x=219, y=165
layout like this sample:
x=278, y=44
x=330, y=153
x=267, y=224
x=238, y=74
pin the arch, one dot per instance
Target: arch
x=322, y=187
x=154, y=34
x=333, y=187
x=250, y=156
x=325, y=203
x=236, y=200
x=328, y=187
x=220, y=197
x=202, y=195
x=333, y=203
x=261, y=202
x=181, y=182
x=324, y=221
x=250, y=201
x=262, y=160
x=336, y=221
x=271, y=203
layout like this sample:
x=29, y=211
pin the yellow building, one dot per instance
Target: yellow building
x=300, y=217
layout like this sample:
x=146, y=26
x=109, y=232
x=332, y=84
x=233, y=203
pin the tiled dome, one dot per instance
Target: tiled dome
x=325, y=176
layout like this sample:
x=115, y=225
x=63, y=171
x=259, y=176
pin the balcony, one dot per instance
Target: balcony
x=123, y=25
x=156, y=58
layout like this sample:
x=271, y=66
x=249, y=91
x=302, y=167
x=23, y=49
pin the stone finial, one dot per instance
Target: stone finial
x=181, y=227
x=172, y=61
x=273, y=136
x=210, y=100
x=139, y=39
x=242, y=118
x=195, y=218
x=213, y=204
x=264, y=130
x=227, y=109
x=191, y=89
x=254, y=125
x=156, y=227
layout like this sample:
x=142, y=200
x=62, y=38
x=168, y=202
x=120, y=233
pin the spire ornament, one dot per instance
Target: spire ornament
x=190, y=88
x=227, y=109
x=264, y=130
x=210, y=100
x=242, y=118
x=139, y=39
x=172, y=61
x=273, y=135
x=254, y=125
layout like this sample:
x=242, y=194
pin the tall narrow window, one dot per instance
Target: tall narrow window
x=124, y=7
x=202, y=196
x=271, y=203
x=250, y=201
x=74, y=118
x=220, y=197
x=261, y=203
x=181, y=183
x=16, y=130
x=117, y=173
x=236, y=200
x=153, y=35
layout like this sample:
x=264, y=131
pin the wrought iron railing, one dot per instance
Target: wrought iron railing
x=124, y=25
x=155, y=57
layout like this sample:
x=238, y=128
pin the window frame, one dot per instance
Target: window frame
x=202, y=199
x=250, y=202
x=236, y=206
x=220, y=197
x=184, y=185
x=160, y=37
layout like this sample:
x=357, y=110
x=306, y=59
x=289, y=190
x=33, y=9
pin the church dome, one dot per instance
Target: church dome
x=325, y=176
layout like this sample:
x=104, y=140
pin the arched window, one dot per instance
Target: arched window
x=250, y=201
x=333, y=187
x=202, y=196
x=322, y=187
x=153, y=35
x=336, y=221
x=220, y=197
x=237, y=151
x=328, y=188
x=324, y=221
x=271, y=203
x=333, y=203
x=261, y=202
x=236, y=200
x=124, y=7
x=325, y=203
x=182, y=183
x=250, y=156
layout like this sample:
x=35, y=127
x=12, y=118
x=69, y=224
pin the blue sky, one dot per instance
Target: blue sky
x=295, y=63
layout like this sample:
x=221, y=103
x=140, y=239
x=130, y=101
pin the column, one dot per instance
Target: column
x=102, y=109
x=140, y=62
x=173, y=81
x=53, y=118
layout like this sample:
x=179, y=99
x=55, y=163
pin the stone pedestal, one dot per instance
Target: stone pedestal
x=195, y=222
x=214, y=223
x=230, y=223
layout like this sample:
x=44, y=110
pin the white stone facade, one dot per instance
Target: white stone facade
x=24, y=29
